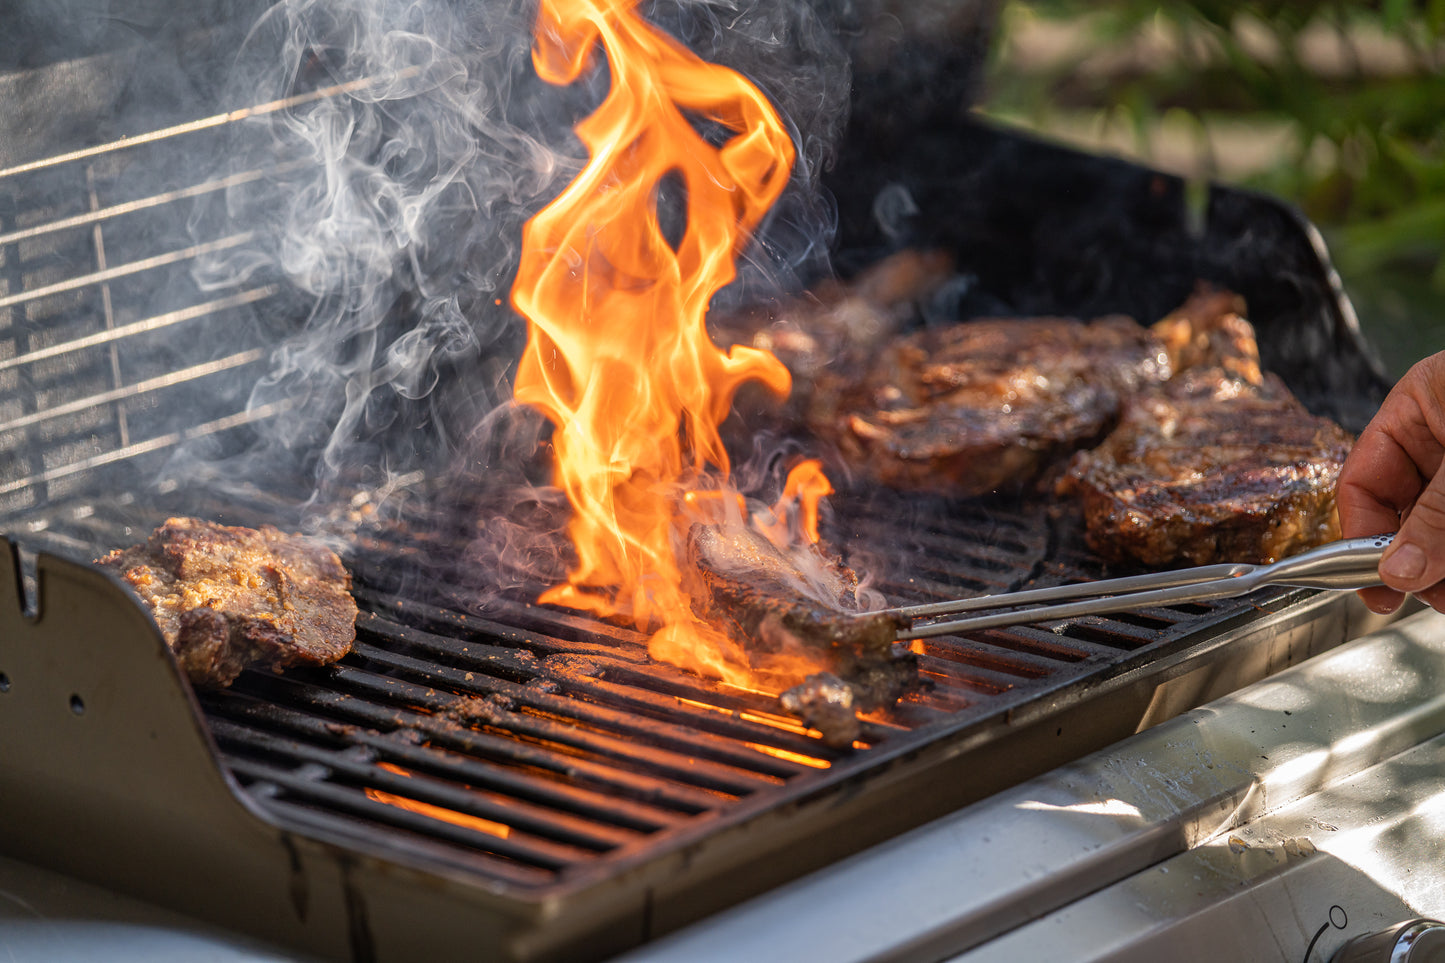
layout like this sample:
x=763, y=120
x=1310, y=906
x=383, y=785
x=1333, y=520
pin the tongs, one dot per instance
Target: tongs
x=1350, y=564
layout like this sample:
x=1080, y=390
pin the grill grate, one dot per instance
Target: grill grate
x=537, y=747
x=111, y=353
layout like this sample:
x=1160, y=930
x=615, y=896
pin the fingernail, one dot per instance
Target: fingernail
x=1406, y=562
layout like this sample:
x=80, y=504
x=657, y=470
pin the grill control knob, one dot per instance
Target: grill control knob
x=1414, y=941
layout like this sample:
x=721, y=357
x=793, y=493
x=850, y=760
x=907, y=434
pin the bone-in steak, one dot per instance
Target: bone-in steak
x=782, y=611
x=990, y=405
x=229, y=598
x=1220, y=464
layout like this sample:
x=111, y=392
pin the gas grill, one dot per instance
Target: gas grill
x=482, y=771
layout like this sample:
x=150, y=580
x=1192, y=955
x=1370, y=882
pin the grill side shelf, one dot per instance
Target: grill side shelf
x=108, y=773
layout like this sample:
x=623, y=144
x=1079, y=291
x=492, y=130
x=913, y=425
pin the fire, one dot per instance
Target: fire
x=618, y=355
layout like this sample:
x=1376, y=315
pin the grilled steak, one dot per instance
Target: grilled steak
x=783, y=611
x=989, y=405
x=229, y=598
x=1220, y=464
x=828, y=337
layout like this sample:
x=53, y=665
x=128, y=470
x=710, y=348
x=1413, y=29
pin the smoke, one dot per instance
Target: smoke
x=402, y=145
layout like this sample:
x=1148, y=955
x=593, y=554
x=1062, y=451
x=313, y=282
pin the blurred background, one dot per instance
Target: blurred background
x=1337, y=107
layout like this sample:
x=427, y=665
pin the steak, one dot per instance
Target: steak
x=990, y=405
x=228, y=598
x=827, y=337
x=1222, y=463
x=792, y=611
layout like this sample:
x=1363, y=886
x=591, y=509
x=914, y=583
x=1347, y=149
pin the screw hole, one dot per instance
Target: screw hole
x=4, y=682
x=77, y=705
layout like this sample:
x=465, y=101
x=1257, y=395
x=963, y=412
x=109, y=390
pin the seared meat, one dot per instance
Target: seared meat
x=989, y=405
x=827, y=337
x=792, y=611
x=1221, y=464
x=229, y=598
x=1209, y=340
x=825, y=702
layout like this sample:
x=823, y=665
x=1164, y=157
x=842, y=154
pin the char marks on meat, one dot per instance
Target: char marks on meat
x=228, y=598
x=1221, y=463
x=828, y=337
x=992, y=404
x=781, y=610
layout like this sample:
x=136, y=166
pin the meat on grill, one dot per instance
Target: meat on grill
x=789, y=610
x=989, y=405
x=827, y=337
x=1221, y=463
x=228, y=598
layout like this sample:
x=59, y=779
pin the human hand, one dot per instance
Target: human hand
x=1392, y=481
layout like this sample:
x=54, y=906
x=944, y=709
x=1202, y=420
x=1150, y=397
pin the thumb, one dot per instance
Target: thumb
x=1416, y=558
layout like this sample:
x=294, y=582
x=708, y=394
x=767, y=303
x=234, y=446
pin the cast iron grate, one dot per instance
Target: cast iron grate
x=534, y=746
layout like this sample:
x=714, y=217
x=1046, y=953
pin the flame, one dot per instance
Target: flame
x=805, y=488
x=618, y=355
x=500, y=830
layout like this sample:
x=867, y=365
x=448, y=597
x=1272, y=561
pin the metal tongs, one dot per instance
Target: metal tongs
x=1349, y=564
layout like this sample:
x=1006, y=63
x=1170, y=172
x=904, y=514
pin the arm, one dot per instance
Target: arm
x=1392, y=481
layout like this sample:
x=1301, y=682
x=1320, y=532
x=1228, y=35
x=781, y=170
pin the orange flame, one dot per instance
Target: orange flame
x=618, y=356
x=805, y=487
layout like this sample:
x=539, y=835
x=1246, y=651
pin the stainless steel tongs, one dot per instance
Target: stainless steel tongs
x=1349, y=564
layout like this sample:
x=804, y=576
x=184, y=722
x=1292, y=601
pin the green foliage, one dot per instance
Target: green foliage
x=1366, y=152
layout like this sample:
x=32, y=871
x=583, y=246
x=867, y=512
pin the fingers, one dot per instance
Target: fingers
x=1381, y=600
x=1415, y=560
x=1433, y=597
x=1393, y=480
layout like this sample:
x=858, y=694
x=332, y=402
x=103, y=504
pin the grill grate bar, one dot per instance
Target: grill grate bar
x=147, y=386
x=420, y=842
x=617, y=695
x=519, y=783
x=129, y=268
x=507, y=748
x=143, y=326
x=526, y=849
x=982, y=655
x=559, y=721
x=205, y=123
x=145, y=447
x=113, y=211
x=477, y=801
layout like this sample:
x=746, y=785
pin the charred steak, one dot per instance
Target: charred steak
x=828, y=337
x=1220, y=464
x=783, y=611
x=230, y=598
x=990, y=405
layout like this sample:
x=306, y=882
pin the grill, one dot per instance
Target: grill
x=500, y=774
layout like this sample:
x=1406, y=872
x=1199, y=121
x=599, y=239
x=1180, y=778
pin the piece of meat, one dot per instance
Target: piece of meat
x=228, y=598
x=827, y=337
x=990, y=405
x=801, y=609
x=1210, y=331
x=1221, y=464
x=825, y=702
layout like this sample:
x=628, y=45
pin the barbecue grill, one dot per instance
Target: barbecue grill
x=483, y=772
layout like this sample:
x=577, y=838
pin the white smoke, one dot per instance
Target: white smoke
x=415, y=141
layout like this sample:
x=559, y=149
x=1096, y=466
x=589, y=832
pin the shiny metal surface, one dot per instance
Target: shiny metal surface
x=1350, y=564
x=1413, y=941
x=1228, y=833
